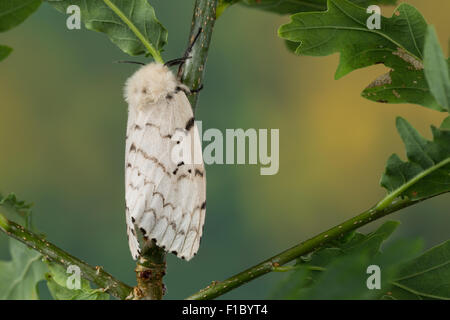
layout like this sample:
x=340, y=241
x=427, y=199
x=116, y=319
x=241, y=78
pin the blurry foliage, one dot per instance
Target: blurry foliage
x=339, y=271
x=428, y=163
x=57, y=278
x=426, y=277
x=19, y=277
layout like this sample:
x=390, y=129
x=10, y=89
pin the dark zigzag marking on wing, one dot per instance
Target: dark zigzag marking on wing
x=165, y=204
x=189, y=229
x=172, y=224
x=147, y=182
x=152, y=125
x=199, y=234
x=183, y=176
x=148, y=157
x=181, y=232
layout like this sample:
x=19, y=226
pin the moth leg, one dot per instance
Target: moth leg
x=193, y=91
x=186, y=90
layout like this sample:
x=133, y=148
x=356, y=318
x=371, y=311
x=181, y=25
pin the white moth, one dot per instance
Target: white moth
x=165, y=199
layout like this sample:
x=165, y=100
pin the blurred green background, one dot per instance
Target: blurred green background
x=62, y=130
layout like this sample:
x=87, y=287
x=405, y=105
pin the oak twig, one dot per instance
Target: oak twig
x=204, y=18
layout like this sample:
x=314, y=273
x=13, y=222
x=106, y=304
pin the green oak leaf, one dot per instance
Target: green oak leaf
x=14, y=12
x=437, y=69
x=426, y=277
x=20, y=276
x=134, y=27
x=57, y=279
x=294, y=6
x=427, y=171
x=399, y=45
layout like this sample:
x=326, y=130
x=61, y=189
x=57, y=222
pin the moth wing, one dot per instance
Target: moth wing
x=165, y=198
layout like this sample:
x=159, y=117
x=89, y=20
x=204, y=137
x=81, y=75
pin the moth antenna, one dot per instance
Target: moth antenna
x=133, y=62
x=188, y=51
x=193, y=91
x=177, y=61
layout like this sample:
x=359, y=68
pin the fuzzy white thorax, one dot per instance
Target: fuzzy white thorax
x=150, y=84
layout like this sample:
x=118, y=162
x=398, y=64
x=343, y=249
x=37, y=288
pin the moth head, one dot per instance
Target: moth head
x=149, y=84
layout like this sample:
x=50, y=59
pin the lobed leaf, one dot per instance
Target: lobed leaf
x=399, y=45
x=20, y=276
x=427, y=171
x=133, y=26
